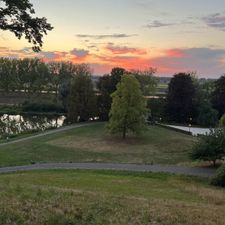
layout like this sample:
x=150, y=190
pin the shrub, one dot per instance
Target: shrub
x=219, y=178
x=210, y=147
x=222, y=121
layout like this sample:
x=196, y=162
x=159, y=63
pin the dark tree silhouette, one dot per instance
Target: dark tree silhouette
x=181, y=98
x=17, y=16
x=107, y=85
x=218, y=100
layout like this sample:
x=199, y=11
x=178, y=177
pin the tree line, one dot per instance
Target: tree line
x=188, y=100
x=191, y=101
x=71, y=85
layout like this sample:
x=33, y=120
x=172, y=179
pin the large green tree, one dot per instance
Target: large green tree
x=82, y=102
x=181, y=98
x=128, y=112
x=17, y=16
x=218, y=99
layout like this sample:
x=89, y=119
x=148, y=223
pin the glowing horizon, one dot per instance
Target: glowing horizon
x=172, y=36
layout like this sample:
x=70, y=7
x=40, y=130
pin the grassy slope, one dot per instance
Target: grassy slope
x=93, y=144
x=109, y=198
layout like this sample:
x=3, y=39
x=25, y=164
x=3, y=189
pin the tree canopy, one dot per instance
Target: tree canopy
x=218, y=99
x=128, y=112
x=106, y=86
x=181, y=98
x=17, y=16
x=82, y=104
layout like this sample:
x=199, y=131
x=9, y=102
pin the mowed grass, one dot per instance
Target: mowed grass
x=94, y=144
x=66, y=197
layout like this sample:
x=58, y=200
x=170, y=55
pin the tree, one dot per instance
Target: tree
x=157, y=107
x=7, y=80
x=219, y=96
x=17, y=16
x=181, y=98
x=82, y=104
x=210, y=147
x=147, y=80
x=207, y=116
x=128, y=112
x=107, y=85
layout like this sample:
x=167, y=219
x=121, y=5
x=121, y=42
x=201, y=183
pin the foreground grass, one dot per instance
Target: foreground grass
x=107, y=198
x=93, y=144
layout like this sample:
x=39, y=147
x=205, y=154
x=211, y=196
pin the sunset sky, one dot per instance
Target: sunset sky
x=170, y=35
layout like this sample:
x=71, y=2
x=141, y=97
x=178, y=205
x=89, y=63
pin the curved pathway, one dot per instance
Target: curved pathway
x=199, y=172
x=173, y=169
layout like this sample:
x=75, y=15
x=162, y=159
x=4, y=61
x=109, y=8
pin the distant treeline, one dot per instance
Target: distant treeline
x=33, y=75
x=71, y=84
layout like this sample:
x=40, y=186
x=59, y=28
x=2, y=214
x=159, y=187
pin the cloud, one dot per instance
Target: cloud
x=49, y=55
x=216, y=20
x=159, y=24
x=205, y=61
x=80, y=53
x=208, y=62
x=105, y=36
x=120, y=50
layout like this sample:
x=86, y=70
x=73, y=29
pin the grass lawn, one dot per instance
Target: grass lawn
x=66, y=197
x=93, y=144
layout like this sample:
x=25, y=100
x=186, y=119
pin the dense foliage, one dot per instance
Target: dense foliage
x=219, y=178
x=181, y=98
x=17, y=17
x=82, y=101
x=210, y=147
x=107, y=85
x=219, y=96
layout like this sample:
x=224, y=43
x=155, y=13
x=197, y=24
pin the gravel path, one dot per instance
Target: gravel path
x=61, y=129
x=198, y=172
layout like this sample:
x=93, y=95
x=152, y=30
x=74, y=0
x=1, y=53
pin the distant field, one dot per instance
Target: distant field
x=108, y=198
x=165, y=86
x=94, y=144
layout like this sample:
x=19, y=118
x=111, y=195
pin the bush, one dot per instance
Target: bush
x=210, y=147
x=219, y=178
x=222, y=121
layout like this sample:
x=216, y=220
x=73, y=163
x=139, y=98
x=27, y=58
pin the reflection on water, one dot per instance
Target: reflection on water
x=11, y=125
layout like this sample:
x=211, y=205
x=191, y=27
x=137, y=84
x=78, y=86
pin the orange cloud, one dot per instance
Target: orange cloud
x=206, y=61
x=175, y=53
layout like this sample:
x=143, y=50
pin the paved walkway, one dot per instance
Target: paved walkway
x=198, y=172
x=194, y=130
x=61, y=129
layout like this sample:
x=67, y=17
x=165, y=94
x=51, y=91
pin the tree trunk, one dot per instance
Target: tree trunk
x=124, y=132
x=214, y=163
